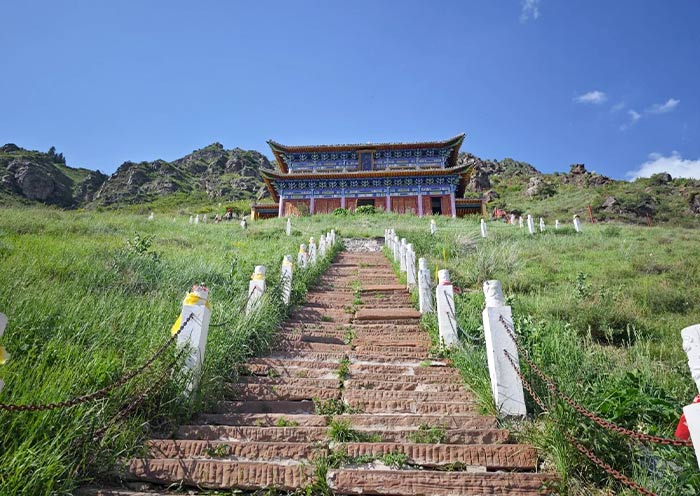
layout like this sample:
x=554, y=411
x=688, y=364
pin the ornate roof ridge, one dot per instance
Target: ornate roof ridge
x=360, y=146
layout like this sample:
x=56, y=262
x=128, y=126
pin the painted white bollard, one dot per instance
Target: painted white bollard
x=433, y=226
x=194, y=333
x=530, y=224
x=541, y=224
x=151, y=216
x=484, y=232
x=391, y=240
x=505, y=384
x=322, y=246
x=191, y=219
x=312, y=251
x=557, y=225
x=411, y=280
x=288, y=229
x=577, y=224
x=244, y=224
x=512, y=219
x=204, y=218
x=302, y=257
x=402, y=255
x=397, y=248
x=286, y=277
x=520, y=222
x=196, y=219
x=445, y=300
x=333, y=236
x=256, y=288
x=425, y=295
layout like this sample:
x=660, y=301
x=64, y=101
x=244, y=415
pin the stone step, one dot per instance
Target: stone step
x=408, y=379
x=276, y=392
x=435, y=483
x=296, y=346
x=290, y=381
x=281, y=363
x=220, y=474
x=302, y=434
x=232, y=450
x=408, y=406
x=415, y=350
x=399, y=384
x=351, y=395
x=300, y=372
x=287, y=407
x=309, y=356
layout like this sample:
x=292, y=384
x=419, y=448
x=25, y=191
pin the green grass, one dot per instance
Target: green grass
x=600, y=311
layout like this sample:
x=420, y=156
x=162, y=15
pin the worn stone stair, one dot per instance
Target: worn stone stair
x=356, y=350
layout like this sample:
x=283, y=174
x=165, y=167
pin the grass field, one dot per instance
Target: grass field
x=600, y=311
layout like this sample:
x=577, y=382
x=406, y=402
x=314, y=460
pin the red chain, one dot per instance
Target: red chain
x=606, y=424
x=581, y=448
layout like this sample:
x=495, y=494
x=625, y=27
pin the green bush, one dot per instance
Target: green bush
x=344, y=212
x=366, y=210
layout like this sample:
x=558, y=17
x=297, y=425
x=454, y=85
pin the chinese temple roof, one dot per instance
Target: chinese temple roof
x=463, y=171
x=280, y=150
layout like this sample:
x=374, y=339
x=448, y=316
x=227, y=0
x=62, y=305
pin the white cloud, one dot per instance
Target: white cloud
x=595, y=97
x=674, y=164
x=530, y=10
x=618, y=106
x=634, y=117
x=663, y=108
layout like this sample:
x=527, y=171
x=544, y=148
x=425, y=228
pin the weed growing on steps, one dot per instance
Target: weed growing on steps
x=428, y=434
x=341, y=431
x=344, y=369
x=283, y=422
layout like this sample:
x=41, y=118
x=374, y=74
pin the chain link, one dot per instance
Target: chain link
x=606, y=424
x=100, y=393
x=580, y=447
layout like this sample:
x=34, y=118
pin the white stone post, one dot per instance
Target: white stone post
x=312, y=251
x=204, y=218
x=577, y=224
x=410, y=267
x=433, y=226
x=505, y=383
x=289, y=226
x=256, y=288
x=191, y=219
x=512, y=219
x=194, y=333
x=541, y=224
x=402, y=255
x=302, y=257
x=151, y=216
x=520, y=222
x=333, y=236
x=691, y=345
x=530, y=224
x=556, y=224
x=484, y=232
x=322, y=246
x=196, y=219
x=425, y=297
x=447, y=320
x=397, y=248
x=286, y=276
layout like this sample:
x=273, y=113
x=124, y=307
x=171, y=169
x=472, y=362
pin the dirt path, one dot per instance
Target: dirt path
x=352, y=365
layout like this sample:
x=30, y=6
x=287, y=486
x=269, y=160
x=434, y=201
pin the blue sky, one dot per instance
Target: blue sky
x=611, y=84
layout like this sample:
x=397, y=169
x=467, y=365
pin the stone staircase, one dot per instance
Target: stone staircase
x=349, y=403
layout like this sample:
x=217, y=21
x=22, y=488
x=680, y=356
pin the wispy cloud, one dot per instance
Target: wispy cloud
x=674, y=164
x=618, y=106
x=594, y=97
x=634, y=116
x=530, y=10
x=663, y=108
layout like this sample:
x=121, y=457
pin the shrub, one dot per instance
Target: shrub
x=366, y=210
x=342, y=212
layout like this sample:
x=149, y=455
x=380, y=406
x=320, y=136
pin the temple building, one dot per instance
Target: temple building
x=414, y=178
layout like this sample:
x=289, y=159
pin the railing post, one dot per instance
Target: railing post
x=322, y=246
x=302, y=257
x=312, y=251
x=556, y=224
x=447, y=320
x=402, y=255
x=512, y=219
x=410, y=266
x=191, y=220
x=520, y=222
x=288, y=229
x=541, y=224
x=433, y=226
x=204, y=218
x=332, y=236
x=396, y=245
x=425, y=297
x=4, y=355
x=196, y=219
x=530, y=224
x=286, y=276
x=505, y=384
x=691, y=346
x=484, y=232
x=151, y=216
x=256, y=288
x=577, y=224
x=194, y=333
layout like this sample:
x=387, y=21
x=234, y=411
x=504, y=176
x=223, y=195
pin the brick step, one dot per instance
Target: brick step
x=388, y=329
x=291, y=345
x=284, y=363
x=312, y=336
x=362, y=340
x=274, y=392
x=232, y=450
x=385, y=422
x=388, y=356
x=415, y=369
x=350, y=395
x=408, y=406
x=301, y=372
x=339, y=316
x=288, y=407
x=220, y=474
x=416, y=349
x=434, y=483
x=407, y=377
x=302, y=434
x=400, y=385
x=310, y=356
x=290, y=381
x=384, y=288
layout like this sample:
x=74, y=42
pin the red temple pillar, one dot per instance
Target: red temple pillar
x=388, y=203
x=453, y=204
x=420, y=204
x=280, y=212
x=312, y=204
